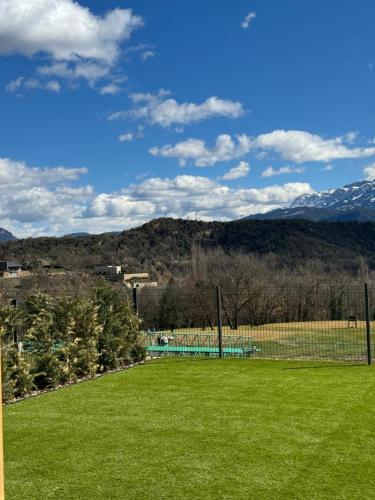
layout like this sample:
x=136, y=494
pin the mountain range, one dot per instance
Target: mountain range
x=6, y=235
x=352, y=202
x=357, y=195
x=318, y=214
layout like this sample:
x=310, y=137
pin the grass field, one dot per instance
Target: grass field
x=326, y=340
x=199, y=429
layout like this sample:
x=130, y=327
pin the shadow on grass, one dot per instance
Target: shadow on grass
x=346, y=365
x=167, y=359
x=203, y=359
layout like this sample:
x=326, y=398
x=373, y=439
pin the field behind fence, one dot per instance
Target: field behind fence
x=311, y=322
x=308, y=323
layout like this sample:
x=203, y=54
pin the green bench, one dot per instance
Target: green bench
x=194, y=350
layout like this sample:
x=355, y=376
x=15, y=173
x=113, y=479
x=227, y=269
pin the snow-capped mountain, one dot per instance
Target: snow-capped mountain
x=318, y=214
x=357, y=195
x=353, y=202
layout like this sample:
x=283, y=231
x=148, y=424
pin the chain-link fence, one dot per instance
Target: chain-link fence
x=323, y=322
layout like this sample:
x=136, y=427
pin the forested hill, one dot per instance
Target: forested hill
x=165, y=243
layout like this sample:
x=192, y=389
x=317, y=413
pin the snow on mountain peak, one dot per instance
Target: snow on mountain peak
x=356, y=195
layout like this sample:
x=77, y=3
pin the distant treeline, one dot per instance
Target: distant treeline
x=255, y=291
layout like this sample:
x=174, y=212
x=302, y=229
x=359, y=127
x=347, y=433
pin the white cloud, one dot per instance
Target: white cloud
x=327, y=168
x=270, y=171
x=291, y=145
x=53, y=86
x=88, y=70
x=145, y=51
x=350, y=137
x=17, y=175
x=126, y=137
x=111, y=89
x=131, y=136
x=15, y=85
x=369, y=172
x=241, y=170
x=47, y=201
x=60, y=69
x=112, y=205
x=39, y=195
x=160, y=110
x=138, y=97
x=188, y=196
x=225, y=149
x=77, y=43
x=246, y=22
x=147, y=54
x=22, y=83
x=300, y=146
x=63, y=29
x=191, y=149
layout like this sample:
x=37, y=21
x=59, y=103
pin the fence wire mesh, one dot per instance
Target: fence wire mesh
x=307, y=323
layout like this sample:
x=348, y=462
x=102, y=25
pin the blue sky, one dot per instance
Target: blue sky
x=110, y=117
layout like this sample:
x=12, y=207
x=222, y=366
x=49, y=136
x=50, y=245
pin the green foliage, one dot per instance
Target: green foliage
x=138, y=353
x=42, y=335
x=19, y=373
x=64, y=339
x=173, y=305
x=64, y=328
x=119, y=328
x=16, y=377
x=86, y=331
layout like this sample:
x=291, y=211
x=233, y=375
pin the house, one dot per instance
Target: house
x=130, y=280
x=45, y=264
x=111, y=273
x=102, y=270
x=138, y=280
x=10, y=269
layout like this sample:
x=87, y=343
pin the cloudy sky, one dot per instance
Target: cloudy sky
x=116, y=112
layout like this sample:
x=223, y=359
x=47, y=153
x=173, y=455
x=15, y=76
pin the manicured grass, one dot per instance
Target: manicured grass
x=199, y=429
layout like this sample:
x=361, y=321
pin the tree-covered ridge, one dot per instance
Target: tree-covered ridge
x=164, y=245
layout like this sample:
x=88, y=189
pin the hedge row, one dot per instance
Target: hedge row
x=64, y=339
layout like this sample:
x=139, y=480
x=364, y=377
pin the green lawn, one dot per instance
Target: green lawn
x=199, y=429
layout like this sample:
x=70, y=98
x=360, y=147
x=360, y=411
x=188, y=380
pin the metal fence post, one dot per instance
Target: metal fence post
x=135, y=300
x=219, y=323
x=368, y=327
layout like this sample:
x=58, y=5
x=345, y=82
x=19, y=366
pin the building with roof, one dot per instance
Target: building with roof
x=10, y=269
x=138, y=280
